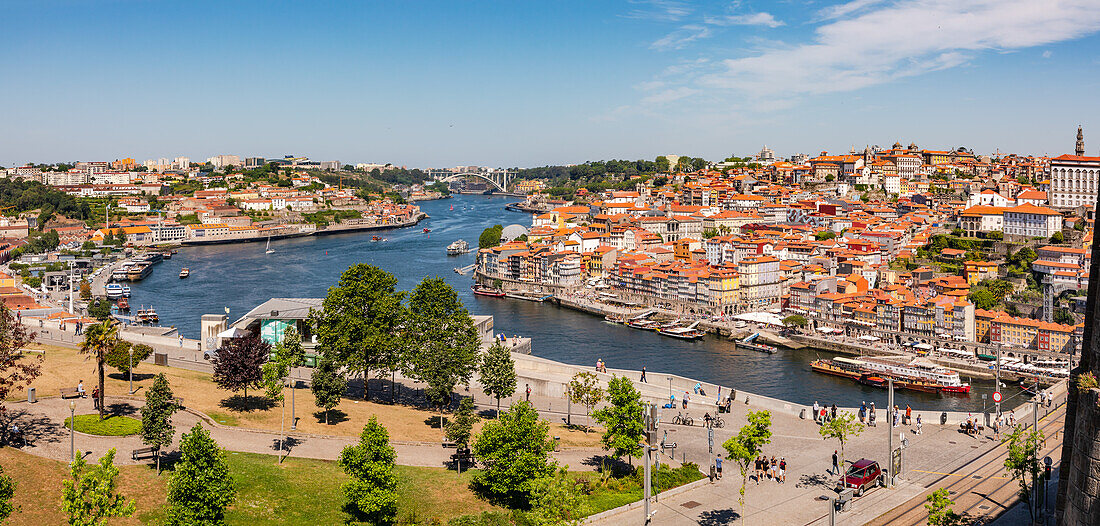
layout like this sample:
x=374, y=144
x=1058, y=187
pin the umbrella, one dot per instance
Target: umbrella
x=233, y=333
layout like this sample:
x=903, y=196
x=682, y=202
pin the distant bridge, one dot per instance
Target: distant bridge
x=500, y=179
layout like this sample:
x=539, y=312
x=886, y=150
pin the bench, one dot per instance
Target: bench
x=140, y=452
x=462, y=457
x=448, y=443
x=69, y=392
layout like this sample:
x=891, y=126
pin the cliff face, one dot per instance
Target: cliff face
x=1079, y=478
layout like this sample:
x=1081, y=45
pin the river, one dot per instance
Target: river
x=242, y=276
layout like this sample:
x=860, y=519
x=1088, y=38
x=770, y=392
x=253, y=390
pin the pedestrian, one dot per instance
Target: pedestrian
x=783, y=470
x=1012, y=418
x=832, y=413
x=718, y=466
x=836, y=463
x=685, y=400
x=528, y=389
x=598, y=363
x=816, y=409
x=643, y=375
x=919, y=424
x=996, y=429
x=862, y=411
x=871, y=419
x=773, y=472
x=759, y=469
x=95, y=397
x=80, y=388
x=895, y=419
x=908, y=415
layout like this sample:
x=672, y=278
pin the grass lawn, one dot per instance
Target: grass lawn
x=64, y=367
x=112, y=426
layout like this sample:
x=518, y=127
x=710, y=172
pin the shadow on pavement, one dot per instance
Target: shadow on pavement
x=809, y=480
x=718, y=517
x=35, y=428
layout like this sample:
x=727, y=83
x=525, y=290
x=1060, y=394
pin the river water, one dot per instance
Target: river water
x=242, y=276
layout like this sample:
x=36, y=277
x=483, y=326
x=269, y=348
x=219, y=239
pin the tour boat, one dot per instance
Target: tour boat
x=167, y=254
x=458, y=248
x=185, y=272
x=645, y=325
x=122, y=272
x=139, y=271
x=153, y=257
x=148, y=315
x=113, y=290
x=484, y=291
x=750, y=343
x=915, y=376
x=683, y=333
x=123, y=304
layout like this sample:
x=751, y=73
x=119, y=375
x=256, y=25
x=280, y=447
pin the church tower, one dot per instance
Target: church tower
x=1080, y=143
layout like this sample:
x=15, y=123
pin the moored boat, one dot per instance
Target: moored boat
x=125, y=291
x=185, y=272
x=914, y=376
x=683, y=333
x=458, y=247
x=146, y=315
x=113, y=290
x=139, y=271
x=426, y=230
x=485, y=291
x=123, y=304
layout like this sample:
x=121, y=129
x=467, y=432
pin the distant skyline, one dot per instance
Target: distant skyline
x=495, y=83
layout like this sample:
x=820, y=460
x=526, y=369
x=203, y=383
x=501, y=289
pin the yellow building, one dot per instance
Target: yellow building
x=976, y=271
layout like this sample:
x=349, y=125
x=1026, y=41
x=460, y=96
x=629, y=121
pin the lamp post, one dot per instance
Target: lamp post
x=72, y=435
x=131, y=369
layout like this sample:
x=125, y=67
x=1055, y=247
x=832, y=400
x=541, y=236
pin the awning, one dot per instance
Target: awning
x=868, y=338
x=233, y=333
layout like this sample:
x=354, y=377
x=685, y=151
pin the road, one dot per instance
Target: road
x=981, y=489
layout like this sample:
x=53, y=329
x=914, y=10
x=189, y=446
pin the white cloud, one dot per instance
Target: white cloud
x=755, y=19
x=842, y=10
x=660, y=10
x=669, y=95
x=1047, y=54
x=907, y=38
x=681, y=37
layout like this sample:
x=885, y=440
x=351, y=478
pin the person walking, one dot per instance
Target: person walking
x=685, y=400
x=862, y=411
x=643, y=375
x=759, y=469
x=908, y=415
x=528, y=391
x=836, y=463
x=919, y=424
x=95, y=397
x=718, y=466
x=783, y=470
x=817, y=409
x=774, y=469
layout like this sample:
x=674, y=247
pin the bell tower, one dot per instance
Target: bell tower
x=1080, y=143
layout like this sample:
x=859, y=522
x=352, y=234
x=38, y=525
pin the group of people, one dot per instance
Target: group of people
x=602, y=368
x=83, y=394
x=823, y=414
x=773, y=469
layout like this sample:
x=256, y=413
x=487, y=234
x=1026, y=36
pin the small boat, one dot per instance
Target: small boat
x=452, y=208
x=185, y=272
x=426, y=230
x=269, y=250
x=153, y=257
x=125, y=291
x=123, y=304
x=458, y=248
x=485, y=291
x=113, y=290
x=144, y=315
x=167, y=254
x=750, y=343
x=376, y=238
x=645, y=325
x=683, y=333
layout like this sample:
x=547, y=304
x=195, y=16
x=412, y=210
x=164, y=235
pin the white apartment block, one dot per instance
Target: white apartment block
x=1074, y=180
x=1031, y=221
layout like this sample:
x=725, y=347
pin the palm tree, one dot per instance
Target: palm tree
x=99, y=339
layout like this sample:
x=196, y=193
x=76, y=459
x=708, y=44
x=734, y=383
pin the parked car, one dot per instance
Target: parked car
x=861, y=475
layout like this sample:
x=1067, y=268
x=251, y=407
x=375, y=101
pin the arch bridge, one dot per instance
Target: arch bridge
x=500, y=179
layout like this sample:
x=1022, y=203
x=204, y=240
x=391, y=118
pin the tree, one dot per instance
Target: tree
x=85, y=287
x=91, y=496
x=490, y=237
x=1023, y=463
x=498, y=372
x=939, y=510
x=16, y=369
x=843, y=428
x=744, y=447
x=328, y=385
x=584, y=389
x=100, y=309
x=983, y=299
x=371, y=492
x=995, y=235
x=237, y=365
x=201, y=488
x=622, y=419
x=119, y=356
x=358, y=324
x=443, y=342
x=7, y=491
x=1057, y=238
x=156, y=416
x=555, y=499
x=459, y=428
x=662, y=164
x=824, y=235
x=100, y=339
x=795, y=320
x=515, y=450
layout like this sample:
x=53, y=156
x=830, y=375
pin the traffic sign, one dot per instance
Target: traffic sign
x=997, y=396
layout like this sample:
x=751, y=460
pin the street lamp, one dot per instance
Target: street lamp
x=72, y=436
x=670, y=389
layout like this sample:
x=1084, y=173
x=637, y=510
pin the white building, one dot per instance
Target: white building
x=1074, y=178
x=221, y=161
x=1031, y=221
x=891, y=183
x=181, y=163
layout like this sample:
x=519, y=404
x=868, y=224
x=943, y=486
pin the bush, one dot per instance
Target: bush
x=668, y=478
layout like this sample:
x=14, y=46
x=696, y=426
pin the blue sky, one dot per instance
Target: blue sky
x=519, y=83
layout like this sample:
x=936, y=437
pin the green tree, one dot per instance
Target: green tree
x=996, y=235
x=490, y=237
x=498, y=372
x=7, y=491
x=515, y=450
x=100, y=309
x=85, y=288
x=622, y=419
x=824, y=235
x=744, y=447
x=359, y=320
x=459, y=428
x=795, y=320
x=662, y=164
x=842, y=428
x=91, y=496
x=1057, y=238
x=328, y=385
x=983, y=299
x=100, y=339
x=555, y=499
x=156, y=416
x=584, y=389
x=443, y=342
x=201, y=488
x=371, y=492
x=939, y=510
x=119, y=356
x=1023, y=463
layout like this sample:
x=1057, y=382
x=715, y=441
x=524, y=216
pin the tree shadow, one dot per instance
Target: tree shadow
x=609, y=464
x=809, y=480
x=121, y=409
x=335, y=416
x=433, y=421
x=718, y=517
x=244, y=404
x=34, y=428
x=125, y=377
x=488, y=414
x=285, y=444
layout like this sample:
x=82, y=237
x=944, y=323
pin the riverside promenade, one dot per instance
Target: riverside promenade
x=940, y=453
